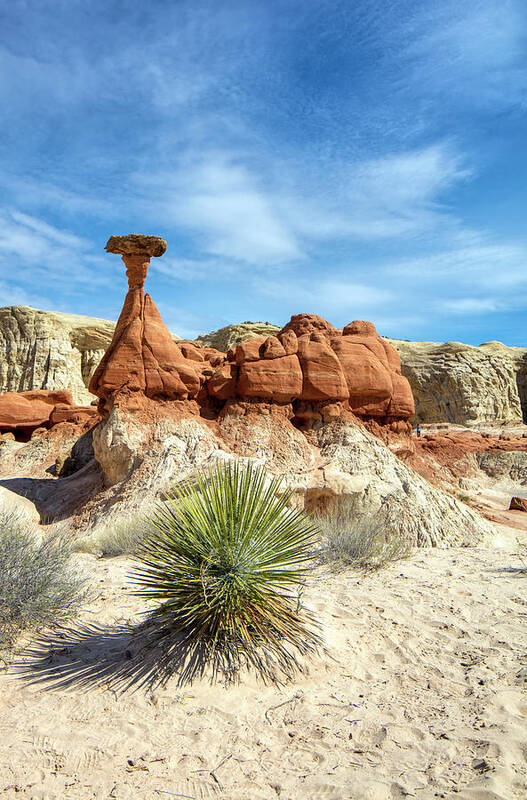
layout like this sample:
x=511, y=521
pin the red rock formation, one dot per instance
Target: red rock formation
x=324, y=372
x=142, y=357
x=278, y=379
x=311, y=366
x=24, y=412
x=324, y=378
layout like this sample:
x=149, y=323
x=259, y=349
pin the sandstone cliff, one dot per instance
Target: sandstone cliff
x=225, y=338
x=451, y=381
x=458, y=383
x=340, y=466
x=49, y=350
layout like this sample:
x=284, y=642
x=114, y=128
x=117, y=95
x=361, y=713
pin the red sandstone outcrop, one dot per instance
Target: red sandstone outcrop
x=27, y=411
x=142, y=358
x=320, y=369
x=316, y=369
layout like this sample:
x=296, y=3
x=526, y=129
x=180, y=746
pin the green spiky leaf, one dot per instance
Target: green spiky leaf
x=227, y=558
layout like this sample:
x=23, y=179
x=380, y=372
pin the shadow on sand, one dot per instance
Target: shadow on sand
x=148, y=654
x=516, y=572
x=119, y=658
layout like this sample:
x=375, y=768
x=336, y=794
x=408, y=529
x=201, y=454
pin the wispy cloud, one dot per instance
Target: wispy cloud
x=339, y=298
x=339, y=158
x=45, y=255
x=471, y=305
x=400, y=194
x=258, y=218
x=471, y=51
x=496, y=267
x=224, y=205
x=189, y=270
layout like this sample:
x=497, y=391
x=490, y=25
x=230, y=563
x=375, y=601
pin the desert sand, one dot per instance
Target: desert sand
x=423, y=697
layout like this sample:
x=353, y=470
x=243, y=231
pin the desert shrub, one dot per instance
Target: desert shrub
x=38, y=584
x=227, y=559
x=123, y=536
x=368, y=543
x=465, y=498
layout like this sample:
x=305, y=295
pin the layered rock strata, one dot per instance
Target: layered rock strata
x=339, y=467
x=49, y=350
x=457, y=383
x=320, y=370
x=451, y=382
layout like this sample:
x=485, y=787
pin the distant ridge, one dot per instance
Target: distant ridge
x=451, y=381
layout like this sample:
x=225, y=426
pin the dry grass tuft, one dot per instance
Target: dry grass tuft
x=123, y=536
x=370, y=543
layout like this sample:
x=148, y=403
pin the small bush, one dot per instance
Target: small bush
x=38, y=585
x=124, y=536
x=465, y=498
x=227, y=558
x=369, y=543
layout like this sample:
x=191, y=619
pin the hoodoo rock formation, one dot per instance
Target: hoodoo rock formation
x=292, y=398
x=313, y=368
x=143, y=358
x=450, y=382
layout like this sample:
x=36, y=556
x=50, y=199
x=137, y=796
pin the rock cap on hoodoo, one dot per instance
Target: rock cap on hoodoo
x=136, y=244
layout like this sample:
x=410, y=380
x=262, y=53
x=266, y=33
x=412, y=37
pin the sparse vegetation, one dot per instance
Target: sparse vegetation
x=370, y=543
x=227, y=559
x=465, y=498
x=122, y=536
x=38, y=585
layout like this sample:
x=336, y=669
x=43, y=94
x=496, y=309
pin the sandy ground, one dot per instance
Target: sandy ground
x=424, y=698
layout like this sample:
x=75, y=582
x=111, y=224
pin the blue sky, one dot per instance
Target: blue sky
x=364, y=159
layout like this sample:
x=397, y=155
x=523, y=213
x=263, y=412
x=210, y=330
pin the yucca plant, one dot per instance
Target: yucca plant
x=227, y=556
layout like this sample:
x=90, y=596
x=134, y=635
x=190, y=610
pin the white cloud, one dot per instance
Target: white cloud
x=399, y=194
x=189, y=270
x=40, y=192
x=47, y=232
x=470, y=305
x=497, y=267
x=327, y=297
x=341, y=293
x=38, y=253
x=272, y=217
x=222, y=201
